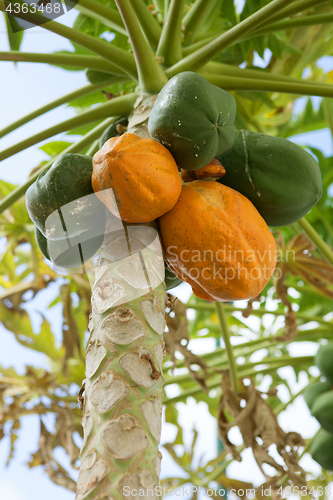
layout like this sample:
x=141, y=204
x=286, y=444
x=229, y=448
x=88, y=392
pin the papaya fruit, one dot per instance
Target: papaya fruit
x=70, y=253
x=313, y=391
x=322, y=410
x=171, y=280
x=62, y=203
x=113, y=130
x=136, y=178
x=193, y=119
x=215, y=240
x=282, y=180
x=324, y=361
x=211, y=172
x=322, y=449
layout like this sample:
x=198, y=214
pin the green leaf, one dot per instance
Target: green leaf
x=55, y=148
x=19, y=323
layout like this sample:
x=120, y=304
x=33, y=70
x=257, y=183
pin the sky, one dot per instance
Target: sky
x=23, y=88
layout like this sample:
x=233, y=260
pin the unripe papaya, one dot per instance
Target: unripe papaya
x=313, y=391
x=112, y=130
x=193, y=119
x=324, y=361
x=72, y=252
x=322, y=449
x=61, y=202
x=282, y=180
x=171, y=280
x=322, y=409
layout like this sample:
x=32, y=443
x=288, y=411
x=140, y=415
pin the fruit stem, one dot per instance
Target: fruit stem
x=196, y=60
x=228, y=347
x=86, y=90
x=169, y=47
x=322, y=246
x=151, y=76
x=119, y=106
x=76, y=147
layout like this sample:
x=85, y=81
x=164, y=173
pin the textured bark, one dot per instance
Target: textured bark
x=123, y=386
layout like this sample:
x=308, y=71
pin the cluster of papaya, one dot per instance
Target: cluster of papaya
x=213, y=190
x=319, y=398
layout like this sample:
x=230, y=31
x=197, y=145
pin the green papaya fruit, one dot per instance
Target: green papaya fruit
x=322, y=410
x=322, y=449
x=281, y=179
x=62, y=202
x=193, y=119
x=324, y=361
x=70, y=253
x=112, y=130
x=313, y=391
x=171, y=280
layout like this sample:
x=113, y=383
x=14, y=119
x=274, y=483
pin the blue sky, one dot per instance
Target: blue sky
x=23, y=88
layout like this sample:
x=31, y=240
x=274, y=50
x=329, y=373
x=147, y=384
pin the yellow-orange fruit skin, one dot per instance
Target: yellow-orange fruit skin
x=141, y=175
x=216, y=240
x=212, y=171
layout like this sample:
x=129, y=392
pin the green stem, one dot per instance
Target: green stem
x=166, y=8
x=256, y=312
x=195, y=17
x=296, y=22
x=252, y=344
x=93, y=148
x=256, y=74
x=76, y=147
x=79, y=61
x=197, y=45
x=88, y=89
x=106, y=15
x=250, y=84
x=228, y=347
x=151, y=76
x=160, y=4
x=169, y=46
x=283, y=406
x=147, y=21
x=196, y=60
x=216, y=381
x=119, y=57
x=295, y=8
x=118, y=106
x=324, y=249
x=223, y=364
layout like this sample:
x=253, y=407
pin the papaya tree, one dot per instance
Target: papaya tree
x=184, y=149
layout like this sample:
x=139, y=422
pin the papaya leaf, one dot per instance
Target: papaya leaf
x=53, y=149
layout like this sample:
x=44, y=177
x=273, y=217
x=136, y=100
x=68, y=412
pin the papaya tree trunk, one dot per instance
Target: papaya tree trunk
x=123, y=388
